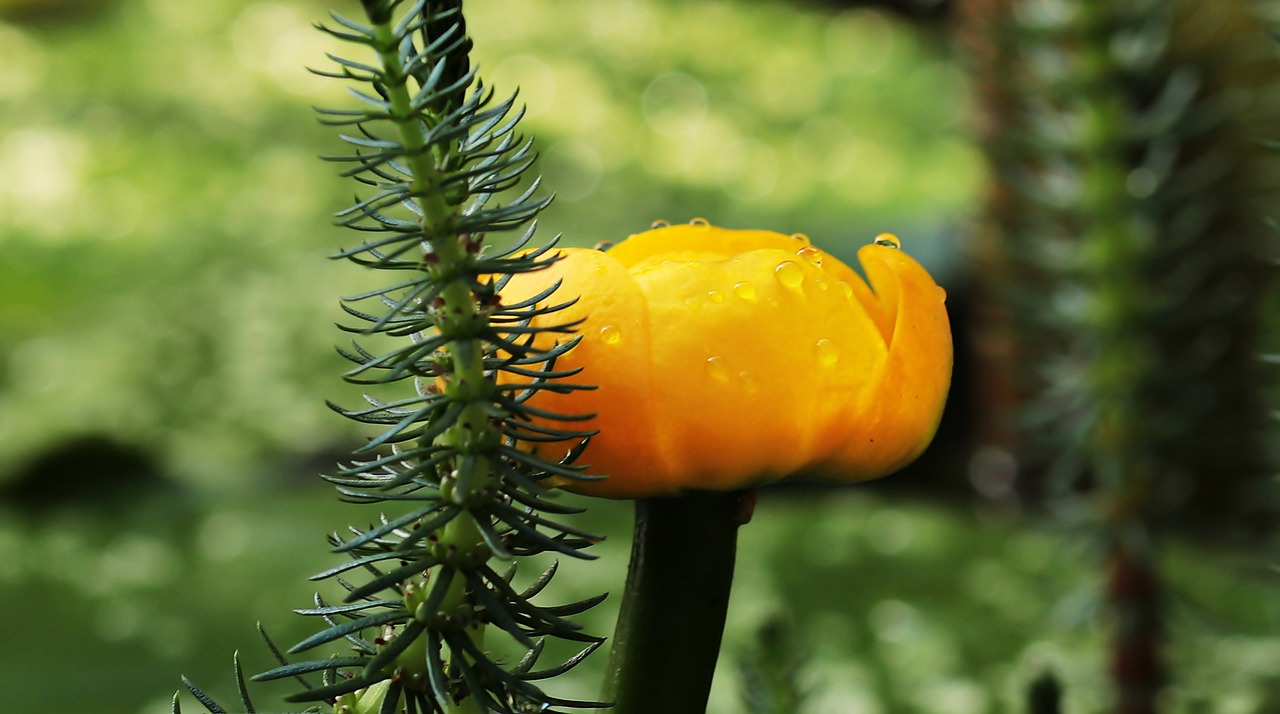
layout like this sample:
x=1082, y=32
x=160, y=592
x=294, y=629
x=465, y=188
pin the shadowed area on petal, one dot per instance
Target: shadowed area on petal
x=871, y=301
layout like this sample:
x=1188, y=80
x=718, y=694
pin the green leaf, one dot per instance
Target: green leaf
x=315, y=665
x=348, y=628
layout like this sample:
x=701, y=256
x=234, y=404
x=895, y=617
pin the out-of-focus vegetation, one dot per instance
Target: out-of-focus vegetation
x=163, y=285
x=901, y=607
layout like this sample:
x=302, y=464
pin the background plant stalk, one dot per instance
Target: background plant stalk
x=673, y=609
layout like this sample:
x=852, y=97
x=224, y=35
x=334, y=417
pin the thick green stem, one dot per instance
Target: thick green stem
x=673, y=610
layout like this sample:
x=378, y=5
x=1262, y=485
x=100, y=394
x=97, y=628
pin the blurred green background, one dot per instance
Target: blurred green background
x=166, y=310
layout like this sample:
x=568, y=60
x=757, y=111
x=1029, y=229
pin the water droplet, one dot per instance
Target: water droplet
x=789, y=274
x=749, y=383
x=716, y=296
x=813, y=255
x=745, y=291
x=603, y=245
x=692, y=302
x=827, y=352
x=888, y=240
x=717, y=370
x=803, y=238
x=702, y=222
x=659, y=224
x=847, y=289
x=610, y=334
x=600, y=270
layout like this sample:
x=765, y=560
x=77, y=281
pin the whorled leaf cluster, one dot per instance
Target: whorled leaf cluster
x=1123, y=247
x=436, y=155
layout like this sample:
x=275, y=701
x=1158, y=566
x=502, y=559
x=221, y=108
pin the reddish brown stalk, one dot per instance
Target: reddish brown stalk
x=1135, y=666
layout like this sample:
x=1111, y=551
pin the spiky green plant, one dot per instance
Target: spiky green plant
x=1126, y=253
x=435, y=155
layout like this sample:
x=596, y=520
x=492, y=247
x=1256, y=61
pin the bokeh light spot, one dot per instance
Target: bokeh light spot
x=534, y=77
x=574, y=168
x=674, y=104
x=748, y=169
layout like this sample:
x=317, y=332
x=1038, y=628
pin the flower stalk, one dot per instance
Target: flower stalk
x=675, y=601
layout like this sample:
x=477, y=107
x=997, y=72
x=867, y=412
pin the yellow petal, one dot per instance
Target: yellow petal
x=909, y=393
x=695, y=242
x=750, y=356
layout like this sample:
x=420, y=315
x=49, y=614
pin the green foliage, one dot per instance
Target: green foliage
x=903, y=607
x=433, y=152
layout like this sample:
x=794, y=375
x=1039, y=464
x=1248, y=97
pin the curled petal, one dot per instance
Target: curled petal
x=910, y=390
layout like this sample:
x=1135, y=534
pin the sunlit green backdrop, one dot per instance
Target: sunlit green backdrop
x=164, y=287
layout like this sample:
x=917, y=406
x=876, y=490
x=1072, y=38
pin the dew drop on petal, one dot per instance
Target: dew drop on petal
x=749, y=383
x=610, y=334
x=827, y=352
x=745, y=291
x=813, y=255
x=888, y=240
x=700, y=222
x=692, y=302
x=789, y=274
x=717, y=370
x=715, y=296
x=801, y=237
x=659, y=224
x=847, y=289
x=600, y=270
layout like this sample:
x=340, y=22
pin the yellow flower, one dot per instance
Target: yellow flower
x=727, y=358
